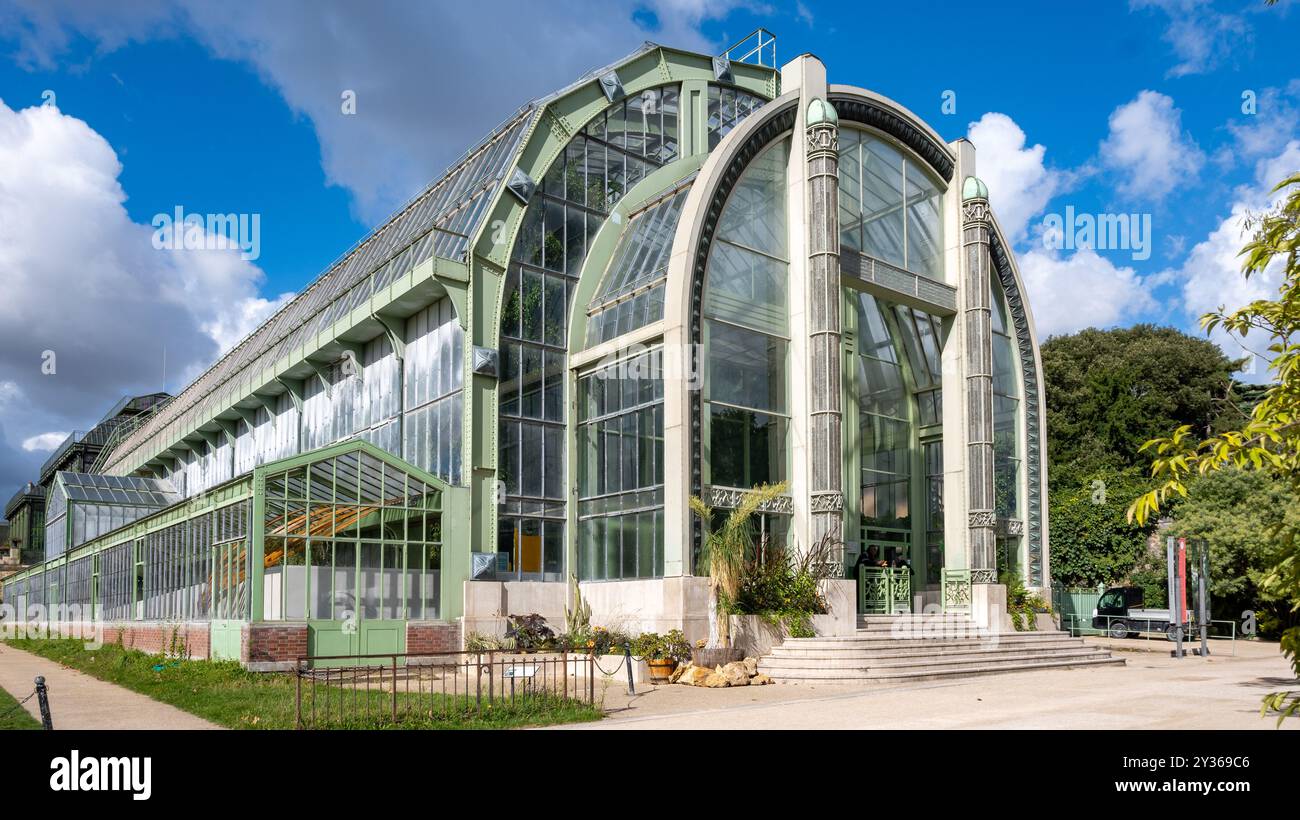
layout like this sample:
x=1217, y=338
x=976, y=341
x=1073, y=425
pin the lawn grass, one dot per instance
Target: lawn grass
x=13, y=716
x=225, y=693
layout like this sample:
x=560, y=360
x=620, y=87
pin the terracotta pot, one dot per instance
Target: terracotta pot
x=661, y=670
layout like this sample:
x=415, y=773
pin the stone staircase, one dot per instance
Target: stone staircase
x=903, y=648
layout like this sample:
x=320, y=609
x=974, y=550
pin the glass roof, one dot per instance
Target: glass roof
x=112, y=489
x=437, y=222
x=643, y=249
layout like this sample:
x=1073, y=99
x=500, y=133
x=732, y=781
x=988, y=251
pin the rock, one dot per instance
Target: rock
x=760, y=680
x=678, y=672
x=695, y=676
x=736, y=674
x=751, y=666
x=715, y=681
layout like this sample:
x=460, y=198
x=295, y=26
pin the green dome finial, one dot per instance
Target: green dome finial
x=974, y=188
x=820, y=111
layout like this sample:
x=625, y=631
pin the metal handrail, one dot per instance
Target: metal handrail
x=757, y=35
x=1191, y=633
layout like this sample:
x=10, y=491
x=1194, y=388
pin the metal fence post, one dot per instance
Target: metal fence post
x=297, y=676
x=627, y=658
x=1204, y=596
x=43, y=698
x=394, y=689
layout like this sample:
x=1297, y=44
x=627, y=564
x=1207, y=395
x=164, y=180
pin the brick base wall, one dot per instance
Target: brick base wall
x=262, y=645
x=432, y=636
x=190, y=640
x=272, y=643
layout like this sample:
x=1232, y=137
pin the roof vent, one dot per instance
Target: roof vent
x=612, y=86
x=521, y=185
x=722, y=70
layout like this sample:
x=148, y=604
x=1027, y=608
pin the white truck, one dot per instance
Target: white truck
x=1120, y=614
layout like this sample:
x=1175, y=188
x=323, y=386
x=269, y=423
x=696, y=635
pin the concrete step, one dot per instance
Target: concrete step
x=924, y=646
x=903, y=649
x=924, y=674
x=968, y=660
x=863, y=641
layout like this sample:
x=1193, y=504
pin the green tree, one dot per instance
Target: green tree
x=1093, y=542
x=1233, y=512
x=1108, y=391
x=1269, y=441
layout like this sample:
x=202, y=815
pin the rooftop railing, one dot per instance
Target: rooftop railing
x=759, y=48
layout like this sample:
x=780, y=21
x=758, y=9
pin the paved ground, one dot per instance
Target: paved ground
x=78, y=701
x=1152, y=691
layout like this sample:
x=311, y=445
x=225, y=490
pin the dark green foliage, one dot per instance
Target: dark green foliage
x=1109, y=391
x=1244, y=517
x=1152, y=575
x=784, y=589
x=1092, y=540
x=1022, y=605
x=529, y=632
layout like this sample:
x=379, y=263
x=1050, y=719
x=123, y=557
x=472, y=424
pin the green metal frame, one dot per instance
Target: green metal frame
x=884, y=590
x=956, y=591
x=455, y=510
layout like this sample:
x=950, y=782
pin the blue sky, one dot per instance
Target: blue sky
x=1107, y=107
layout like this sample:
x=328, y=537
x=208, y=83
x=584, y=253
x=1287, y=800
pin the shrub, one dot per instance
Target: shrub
x=529, y=632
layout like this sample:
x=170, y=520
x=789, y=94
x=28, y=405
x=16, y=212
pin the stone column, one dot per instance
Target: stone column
x=981, y=550
x=825, y=416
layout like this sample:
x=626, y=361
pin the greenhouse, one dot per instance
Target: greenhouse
x=681, y=276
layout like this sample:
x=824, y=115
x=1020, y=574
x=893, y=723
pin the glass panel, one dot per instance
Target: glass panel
x=746, y=368
x=345, y=581
x=924, y=224
x=745, y=447
x=882, y=201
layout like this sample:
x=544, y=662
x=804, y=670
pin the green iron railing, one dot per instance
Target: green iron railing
x=956, y=590
x=884, y=590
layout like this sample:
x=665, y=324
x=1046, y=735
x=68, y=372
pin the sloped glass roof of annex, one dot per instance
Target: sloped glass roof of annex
x=112, y=489
x=440, y=221
x=350, y=485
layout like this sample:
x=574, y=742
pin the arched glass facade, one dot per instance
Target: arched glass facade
x=1007, y=456
x=612, y=153
x=889, y=205
x=745, y=330
x=898, y=383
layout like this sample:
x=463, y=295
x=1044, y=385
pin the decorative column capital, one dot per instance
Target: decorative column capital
x=974, y=201
x=822, y=128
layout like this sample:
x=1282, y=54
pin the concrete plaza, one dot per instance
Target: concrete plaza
x=1152, y=691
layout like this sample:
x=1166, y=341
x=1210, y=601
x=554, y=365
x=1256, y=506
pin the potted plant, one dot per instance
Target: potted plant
x=662, y=653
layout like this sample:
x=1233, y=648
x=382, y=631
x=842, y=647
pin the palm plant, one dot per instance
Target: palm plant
x=725, y=549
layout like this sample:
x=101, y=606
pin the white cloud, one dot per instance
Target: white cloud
x=1148, y=148
x=1211, y=277
x=84, y=282
x=1083, y=289
x=1265, y=132
x=1019, y=183
x=1201, y=38
x=43, y=442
